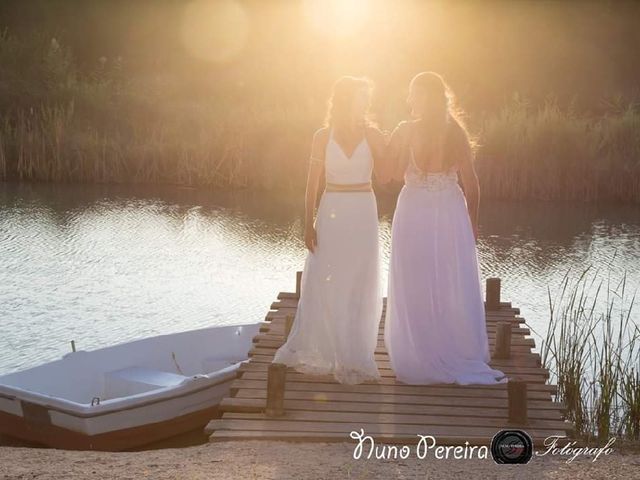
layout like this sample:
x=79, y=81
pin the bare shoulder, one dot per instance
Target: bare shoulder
x=319, y=143
x=321, y=135
x=405, y=127
x=374, y=133
x=373, y=129
x=403, y=130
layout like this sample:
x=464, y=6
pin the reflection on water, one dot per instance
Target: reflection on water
x=102, y=265
x=533, y=246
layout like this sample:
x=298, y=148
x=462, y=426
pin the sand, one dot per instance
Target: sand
x=258, y=459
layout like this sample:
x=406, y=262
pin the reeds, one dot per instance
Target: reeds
x=592, y=351
x=553, y=153
x=113, y=126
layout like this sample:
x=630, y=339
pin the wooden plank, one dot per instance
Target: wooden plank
x=388, y=374
x=513, y=369
x=489, y=316
x=516, y=340
x=288, y=299
x=535, y=382
x=248, y=405
x=521, y=360
x=394, y=398
x=533, y=379
x=277, y=321
x=379, y=353
x=276, y=334
x=396, y=419
x=302, y=436
x=287, y=295
x=398, y=439
x=320, y=380
x=277, y=330
x=317, y=408
x=499, y=391
x=370, y=428
x=381, y=363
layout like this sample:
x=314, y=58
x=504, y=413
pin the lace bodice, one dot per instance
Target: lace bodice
x=341, y=169
x=434, y=181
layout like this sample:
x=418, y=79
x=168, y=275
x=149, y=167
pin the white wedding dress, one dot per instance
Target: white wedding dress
x=435, y=329
x=335, y=330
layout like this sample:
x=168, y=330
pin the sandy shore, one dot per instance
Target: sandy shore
x=283, y=460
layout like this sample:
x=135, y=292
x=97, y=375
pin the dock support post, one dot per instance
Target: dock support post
x=502, y=347
x=288, y=323
x=517, y=401
x=492, y=300
x=275, y=389
x=298, y=283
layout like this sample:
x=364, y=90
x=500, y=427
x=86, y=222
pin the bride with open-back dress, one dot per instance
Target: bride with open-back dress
x=336, y=325
x=435, y=329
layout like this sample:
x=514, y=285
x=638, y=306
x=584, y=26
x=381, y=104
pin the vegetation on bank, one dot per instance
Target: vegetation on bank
x=105, y=125
x=592, y=350
x=551, y=153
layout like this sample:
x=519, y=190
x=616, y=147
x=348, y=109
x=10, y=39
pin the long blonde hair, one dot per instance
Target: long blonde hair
x=443, y=117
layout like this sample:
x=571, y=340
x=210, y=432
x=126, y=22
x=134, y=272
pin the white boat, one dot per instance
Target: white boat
x=127, y=395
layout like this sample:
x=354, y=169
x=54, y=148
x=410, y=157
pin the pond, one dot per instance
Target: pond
x=106, y=264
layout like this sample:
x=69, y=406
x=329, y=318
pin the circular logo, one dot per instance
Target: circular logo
x=511, y=446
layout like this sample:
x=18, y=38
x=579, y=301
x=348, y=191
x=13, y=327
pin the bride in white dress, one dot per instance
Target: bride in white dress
x=335, y=330
x=435, y=329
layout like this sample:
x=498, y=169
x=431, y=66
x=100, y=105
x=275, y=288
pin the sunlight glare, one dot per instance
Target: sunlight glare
x=214, y=30
x=337, y=18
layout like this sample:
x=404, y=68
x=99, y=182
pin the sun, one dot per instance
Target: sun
x=337, y=18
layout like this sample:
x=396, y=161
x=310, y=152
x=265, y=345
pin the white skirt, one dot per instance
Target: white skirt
x=335, y=330
x=435, y=330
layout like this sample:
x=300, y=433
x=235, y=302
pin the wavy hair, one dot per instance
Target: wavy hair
x=340, y=102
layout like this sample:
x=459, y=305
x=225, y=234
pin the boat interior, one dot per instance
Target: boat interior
x=136, y=367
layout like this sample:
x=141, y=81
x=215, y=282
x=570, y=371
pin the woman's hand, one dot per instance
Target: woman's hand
x=474, y=226
x=310, y=238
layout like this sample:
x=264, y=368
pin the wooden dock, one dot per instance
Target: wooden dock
x=319, y=409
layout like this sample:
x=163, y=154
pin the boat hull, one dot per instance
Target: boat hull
x=143, y=391
x=130, y=427
x=125, y=439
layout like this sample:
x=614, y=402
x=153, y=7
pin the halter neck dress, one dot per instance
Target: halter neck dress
x=336, y=326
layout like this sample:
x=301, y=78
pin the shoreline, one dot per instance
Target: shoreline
x=260, y=459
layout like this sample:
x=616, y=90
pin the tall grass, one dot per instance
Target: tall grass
x=592, y=350
x=115, y=126
x=553, y=153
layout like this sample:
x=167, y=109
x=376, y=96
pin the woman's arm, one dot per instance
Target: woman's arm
x=316, y=166
x=470, y=182
x=378, y=143
x=395, y=160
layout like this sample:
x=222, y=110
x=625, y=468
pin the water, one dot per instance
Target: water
x=106, y=264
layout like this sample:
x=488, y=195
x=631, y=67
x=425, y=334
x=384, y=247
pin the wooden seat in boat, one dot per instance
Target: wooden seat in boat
x=133, y=380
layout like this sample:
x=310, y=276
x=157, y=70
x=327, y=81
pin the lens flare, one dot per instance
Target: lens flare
x=214, y=30
x=337, y=18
